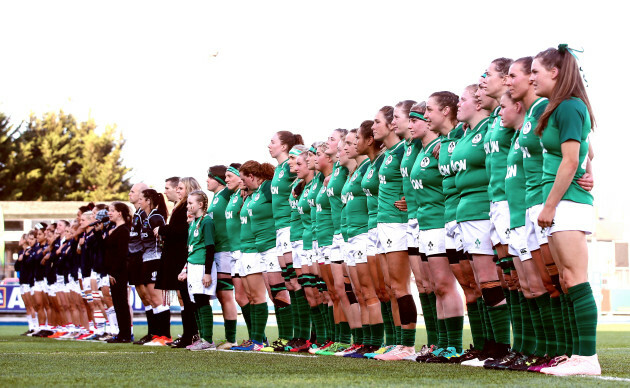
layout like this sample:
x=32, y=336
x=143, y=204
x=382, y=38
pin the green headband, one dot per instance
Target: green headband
x=312, y=149
x=417, y=116
x=216, y=178
x=234, y=171
x=295, y=152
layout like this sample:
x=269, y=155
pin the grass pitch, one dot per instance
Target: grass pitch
x=29, y=361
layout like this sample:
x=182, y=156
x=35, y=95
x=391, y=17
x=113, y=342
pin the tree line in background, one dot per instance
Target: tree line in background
x=55, y=158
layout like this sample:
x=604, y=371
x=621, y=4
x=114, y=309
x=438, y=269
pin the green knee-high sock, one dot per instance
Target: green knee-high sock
x=304, y=326
x=482, y=317
x=260, y=313
x=247, y=316
x=508, y=298
x=442, y=335
x=334, y=333
x=455, y=332
x=230, y=330
x=388, y=323
x=556, y=315
x=345, y=335
x=367, y=334
x=500, y=322
x=378, y=332
x=398, y=334
x=517, y=320
x=568, y=334
x=544, y=306
x=284, y=317
x=407, y=337
x=206, y=318
x=337, y=330
x=476, y=327
x=575, y=337
x=586, y=317
x=429, y=323
x=486, y=317
x=528, y=337
x=433, y=305
x=320, y=324
x=295, y=314
x=323, y=308
x=538, y=328
x=357, y=336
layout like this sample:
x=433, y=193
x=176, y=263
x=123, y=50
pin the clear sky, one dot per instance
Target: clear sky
x=192, y=84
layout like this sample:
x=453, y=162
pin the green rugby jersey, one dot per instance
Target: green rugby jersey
x=451, y=195
x=468, y=162
x=296, y=222
x=280, y=193
x=390, y=187
x=356, y=201
x=515, y=184
x=305, y=215
x=344, y=212
x=316, y=185
x=333, y=190
x=427, y=183
x=370, y=186
x=216, y=211
x=532, y=153
x=248, y=240
x=260, y=210
x=497, y=144
x=233, y=221
x=569, y=121
x=412, y=148
x=323, y=217
x=200, y=235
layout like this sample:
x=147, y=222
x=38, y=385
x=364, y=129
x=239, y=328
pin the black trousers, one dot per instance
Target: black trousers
x=121, y=306
x=188, y=314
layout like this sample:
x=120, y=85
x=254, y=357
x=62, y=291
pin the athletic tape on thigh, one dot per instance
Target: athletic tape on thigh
x=495, y=258
x=225, y=284
x=275, y=290
x=407, y=310
x=291, y=271
x=303, y=280
x=451, y=254
x=423, y=257
x=283, y=272
x=492, y=293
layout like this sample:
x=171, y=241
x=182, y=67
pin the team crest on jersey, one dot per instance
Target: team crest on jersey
x=196, y=233
x=408, y=150
x=370, y=174
x=235, y=200
x=336, y=172
x=451, y=147
x=216, y=200
x=257, y=196
x=354, y=177
x=527, y=127
x=389, y=159
x=477, y=138
x=516, y=144
x=494, y=123
x=425, y=162
x=281, y=174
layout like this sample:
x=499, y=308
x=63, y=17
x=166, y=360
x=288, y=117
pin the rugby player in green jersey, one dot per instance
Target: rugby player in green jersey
x=564, y=127
x=427, y=182
x=279, y=146
x=349, y=280
x=538, y=309
x=201, y=273
x=343, y=312
x=325, y=232
x=364, y=150
x=392, y=233
x=524, y=193
x=471, y=180
x=308, y=278
x=259, y=257
x=412, y=148
x=222, y=257
x=233, y=224
x=300, y=307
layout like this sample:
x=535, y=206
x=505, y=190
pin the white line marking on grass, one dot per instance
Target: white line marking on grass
x=609, y=378
x=77, y=353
